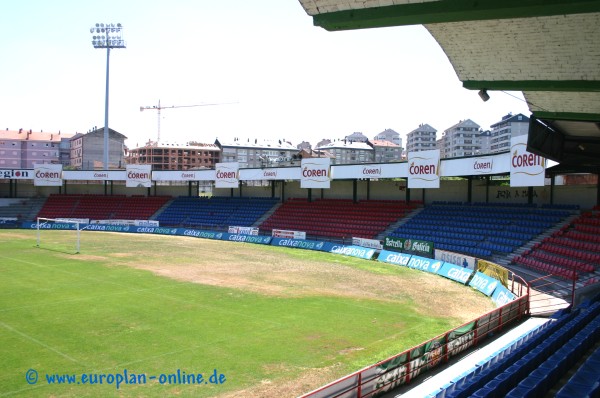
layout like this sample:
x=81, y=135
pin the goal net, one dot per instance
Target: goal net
x=59, y=234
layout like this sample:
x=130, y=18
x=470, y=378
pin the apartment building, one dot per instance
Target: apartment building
x=502, y=131
x=460, y=140
x=24, y=148
x=87, y=150
x=346, y=152
x=389, y=135
x=385, y=151
x=423, y=138
x=257, y=153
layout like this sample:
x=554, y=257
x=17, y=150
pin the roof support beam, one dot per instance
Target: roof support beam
x=586, y=117
x=442, y=11
x=534, y=85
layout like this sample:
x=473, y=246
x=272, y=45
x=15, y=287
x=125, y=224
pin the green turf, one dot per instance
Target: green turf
x=66, y=314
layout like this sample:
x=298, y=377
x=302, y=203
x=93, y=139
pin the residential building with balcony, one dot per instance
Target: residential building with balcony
x=346, y=152
x=389, y=135
x=255, y=153
x=460, y=140
x=422, y=138
x=385, y=151
x=22, y=149
x=502, y=131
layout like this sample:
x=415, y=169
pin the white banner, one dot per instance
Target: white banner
x=282, y=233
x=79, y=220
x=183, y=175
x=227, y=175
x=47, y=175
x=316, y=173
x=375, y=170
x=270, y=173
x=243, y=230
x=137, y=223
x=481, y=165
x=370, y=243
x=98, y=175
x=456, y=258
x=138, y=175
x=424, y=169
x=526, y=169
x=16, y=174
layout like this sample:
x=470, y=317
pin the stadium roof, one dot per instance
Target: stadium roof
x=549, y=50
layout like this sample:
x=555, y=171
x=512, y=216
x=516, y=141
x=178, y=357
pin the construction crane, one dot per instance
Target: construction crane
x=158, y=108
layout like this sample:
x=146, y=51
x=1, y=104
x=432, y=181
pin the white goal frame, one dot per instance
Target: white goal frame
x=43, y=221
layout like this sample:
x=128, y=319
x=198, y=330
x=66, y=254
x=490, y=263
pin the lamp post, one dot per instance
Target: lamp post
x=107, y=36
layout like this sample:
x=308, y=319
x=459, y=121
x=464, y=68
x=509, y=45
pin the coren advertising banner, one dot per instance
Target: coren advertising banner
x=526, y=169
x=270, y=173
x=227, y=175
x=47, y=175
x=315, y=173
x=424, y=169
x=371, y=171
x=183, y=175
x=473, y=166
x=138, y=175
x=94, y=175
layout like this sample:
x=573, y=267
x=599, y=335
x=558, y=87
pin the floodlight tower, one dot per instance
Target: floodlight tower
x=107, y=36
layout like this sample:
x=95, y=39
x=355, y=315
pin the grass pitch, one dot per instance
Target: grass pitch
x=271, y=321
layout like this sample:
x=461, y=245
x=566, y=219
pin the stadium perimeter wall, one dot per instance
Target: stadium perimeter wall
x=450, y=190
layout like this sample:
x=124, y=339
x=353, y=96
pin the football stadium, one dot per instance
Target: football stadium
x=473, y=276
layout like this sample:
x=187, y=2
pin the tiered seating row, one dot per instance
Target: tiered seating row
x=99, y=207
x=479, y=230
x=542, y=266
x=575, y=247
x=337, y=217
x=215, y=212
x=534, y=365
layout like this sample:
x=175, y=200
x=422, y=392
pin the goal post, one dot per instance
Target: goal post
x=43, y=224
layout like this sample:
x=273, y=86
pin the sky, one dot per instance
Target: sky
x=271, y=72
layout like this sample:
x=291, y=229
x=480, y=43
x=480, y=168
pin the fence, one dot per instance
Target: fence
x=400, y=369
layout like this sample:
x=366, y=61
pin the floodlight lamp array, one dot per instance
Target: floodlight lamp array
x=108, y=35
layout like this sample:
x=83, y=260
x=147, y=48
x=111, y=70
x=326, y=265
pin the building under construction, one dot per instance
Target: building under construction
x=163, y=156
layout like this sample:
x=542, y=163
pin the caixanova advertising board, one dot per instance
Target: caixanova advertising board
x=414, y=246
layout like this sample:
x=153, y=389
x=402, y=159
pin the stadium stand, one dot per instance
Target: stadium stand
x=540, y=361
x=100, y=207
x=337, y=218
x=215, y=212
x=480, y=229
x=571, y=253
